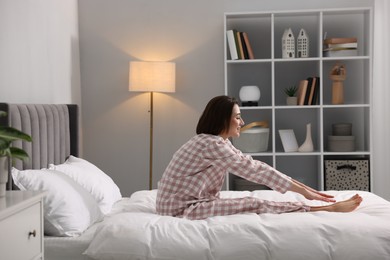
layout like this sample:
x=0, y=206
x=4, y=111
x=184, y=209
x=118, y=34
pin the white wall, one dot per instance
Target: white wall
x=112, y=33
x=39, y=51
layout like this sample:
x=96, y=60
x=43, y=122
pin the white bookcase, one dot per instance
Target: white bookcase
x=273, y=74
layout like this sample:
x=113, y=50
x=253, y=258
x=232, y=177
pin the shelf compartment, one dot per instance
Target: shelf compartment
x=250, y=116
x=288, y=74
x=248, y=74
x=258, y=27
x=359, y=117
x=310, y=21
x=305, y=169
x=347, y=24
x=356, y=85
x=302, y=117
x=232, y=178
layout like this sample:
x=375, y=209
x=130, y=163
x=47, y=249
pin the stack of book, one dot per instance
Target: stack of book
x=239, y=45
x=309, y=91
x=338, y=47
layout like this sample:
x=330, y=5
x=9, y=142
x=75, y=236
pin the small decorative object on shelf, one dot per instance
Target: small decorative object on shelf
x=289, y=141
x=249, y=96
x=338, y=74
x=302, y=44
x=341, y=139
x=288, y=44
x=292, y=99
x=307, y=145
x=339, y=47
x=253, y=138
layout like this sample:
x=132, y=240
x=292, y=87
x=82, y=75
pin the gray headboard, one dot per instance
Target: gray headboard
x=53, y=128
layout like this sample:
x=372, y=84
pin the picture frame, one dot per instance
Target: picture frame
x=289, y=140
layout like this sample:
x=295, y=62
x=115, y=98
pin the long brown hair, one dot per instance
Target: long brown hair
x=215, y=118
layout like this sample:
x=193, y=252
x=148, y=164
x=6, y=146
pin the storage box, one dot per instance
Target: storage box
x=341, y=143
x=342, y=129
x=352, y=174
x=253, y=140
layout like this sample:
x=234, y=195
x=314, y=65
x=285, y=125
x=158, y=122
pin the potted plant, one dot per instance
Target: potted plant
x=291, y=92
x=7, y=136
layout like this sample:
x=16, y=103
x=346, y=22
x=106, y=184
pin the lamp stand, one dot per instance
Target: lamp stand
x=151, y=143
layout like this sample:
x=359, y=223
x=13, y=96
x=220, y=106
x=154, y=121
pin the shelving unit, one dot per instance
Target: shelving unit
x=273, y=74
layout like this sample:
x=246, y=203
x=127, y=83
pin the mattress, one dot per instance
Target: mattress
x=141, y=234
x=133, y=230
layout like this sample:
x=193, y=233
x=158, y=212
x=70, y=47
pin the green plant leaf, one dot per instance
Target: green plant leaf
x=7, y=136
x=18, y=153
x=4, y=144
x=291, y=91
x=11, y=134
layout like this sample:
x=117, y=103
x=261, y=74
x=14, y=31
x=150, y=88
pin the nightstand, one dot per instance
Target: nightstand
x=21, y=225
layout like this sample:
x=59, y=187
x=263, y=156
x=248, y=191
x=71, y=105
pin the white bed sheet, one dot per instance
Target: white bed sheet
x=137, y=232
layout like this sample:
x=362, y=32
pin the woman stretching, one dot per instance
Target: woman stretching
x=192, y=181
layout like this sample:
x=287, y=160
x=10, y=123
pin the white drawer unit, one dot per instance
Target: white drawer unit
x=21, y=225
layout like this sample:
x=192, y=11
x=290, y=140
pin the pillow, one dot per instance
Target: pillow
x=91, y=178
x=68, y=208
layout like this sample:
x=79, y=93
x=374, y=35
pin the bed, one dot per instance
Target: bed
x=87, y=218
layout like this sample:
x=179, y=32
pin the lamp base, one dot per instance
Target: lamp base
x=249, y=104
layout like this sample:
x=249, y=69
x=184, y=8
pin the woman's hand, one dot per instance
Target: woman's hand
x=309, y=193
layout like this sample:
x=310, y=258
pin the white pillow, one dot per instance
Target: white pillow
x=94, y=180
x=68, y=208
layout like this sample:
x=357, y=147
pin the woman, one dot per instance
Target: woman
x=192, y=181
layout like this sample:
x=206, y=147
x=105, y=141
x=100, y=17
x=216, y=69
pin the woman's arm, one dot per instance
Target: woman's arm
x=310, y=193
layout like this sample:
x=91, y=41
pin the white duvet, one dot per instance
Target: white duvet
x=139, y=233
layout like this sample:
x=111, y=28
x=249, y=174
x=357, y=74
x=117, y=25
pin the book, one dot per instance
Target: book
x=341, y=45
x=302, y=87
x=338, y=49
x=248, y=46
x=313, y=85
x=316, y=95
x=339, y=40
x=244, y=48
x=341, y=53
x=232, y=44
x=308, y=89
x=239, y=44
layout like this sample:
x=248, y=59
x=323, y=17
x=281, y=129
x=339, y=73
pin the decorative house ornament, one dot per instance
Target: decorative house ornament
x=302, y=44
x=288, y=44
x=249, y=95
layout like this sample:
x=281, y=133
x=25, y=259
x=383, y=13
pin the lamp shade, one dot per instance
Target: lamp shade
x=151, y=76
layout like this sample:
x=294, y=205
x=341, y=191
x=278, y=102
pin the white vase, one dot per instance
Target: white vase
x=3, y=175
x=307, y=146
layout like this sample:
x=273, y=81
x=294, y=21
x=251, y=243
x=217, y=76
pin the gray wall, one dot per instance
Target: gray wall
x=190, y=33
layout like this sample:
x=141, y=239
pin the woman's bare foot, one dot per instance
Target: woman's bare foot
x=341, y=206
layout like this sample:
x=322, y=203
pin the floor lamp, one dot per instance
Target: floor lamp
x=150, y=76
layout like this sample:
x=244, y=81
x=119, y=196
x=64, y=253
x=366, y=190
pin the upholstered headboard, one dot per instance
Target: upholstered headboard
x=53, y=128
